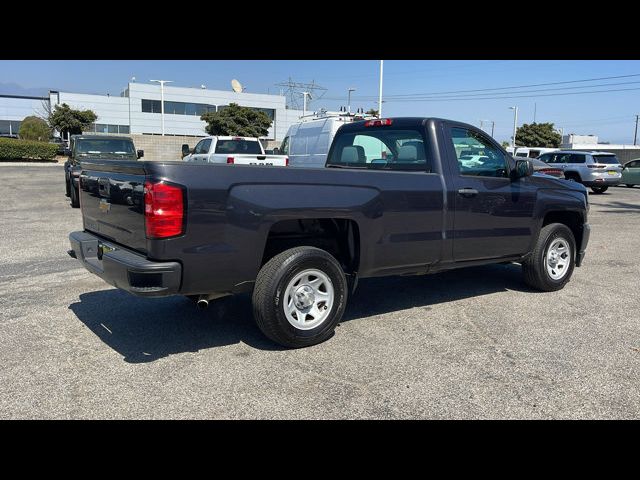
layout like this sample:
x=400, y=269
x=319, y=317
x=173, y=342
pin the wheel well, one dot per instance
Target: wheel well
x=339, y=237
x=573, y=220
x=575, y=175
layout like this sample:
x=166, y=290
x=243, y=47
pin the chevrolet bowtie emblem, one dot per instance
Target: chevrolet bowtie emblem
x=104, y=205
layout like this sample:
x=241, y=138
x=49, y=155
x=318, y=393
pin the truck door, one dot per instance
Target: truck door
x=492, y=213
x=201, y=152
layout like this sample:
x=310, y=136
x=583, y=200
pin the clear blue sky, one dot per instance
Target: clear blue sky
x=610, y=115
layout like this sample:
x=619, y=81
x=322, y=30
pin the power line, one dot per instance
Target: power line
x=453, y=99
x=495, y=90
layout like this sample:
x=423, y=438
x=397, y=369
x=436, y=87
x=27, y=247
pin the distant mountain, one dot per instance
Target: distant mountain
x=15, y=89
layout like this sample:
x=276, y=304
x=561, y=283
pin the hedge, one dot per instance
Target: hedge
x=15, y=149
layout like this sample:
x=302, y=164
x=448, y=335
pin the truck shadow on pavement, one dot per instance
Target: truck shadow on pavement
x=144, y=330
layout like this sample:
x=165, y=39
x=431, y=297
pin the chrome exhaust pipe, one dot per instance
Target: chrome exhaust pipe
x=203, y=300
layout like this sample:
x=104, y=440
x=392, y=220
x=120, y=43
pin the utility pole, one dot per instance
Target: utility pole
x=535, y=107
x=162, y=82
x=304, y=102
x=349, y=99
x=515, y=124
x=635, y=134
x=380, y=93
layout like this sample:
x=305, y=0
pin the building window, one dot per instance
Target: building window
x=123, y=129
x=106, y=128
x=151, y=106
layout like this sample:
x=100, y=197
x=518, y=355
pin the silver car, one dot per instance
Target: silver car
x=598, y=170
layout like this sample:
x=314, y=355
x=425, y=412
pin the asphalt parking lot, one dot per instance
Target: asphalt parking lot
x=473, y=343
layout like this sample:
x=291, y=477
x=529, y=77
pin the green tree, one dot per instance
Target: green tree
x=538, y=135
x=70, y=121
x=34, y=128
x=505, y=144
x=238, y=121
x=372, y=111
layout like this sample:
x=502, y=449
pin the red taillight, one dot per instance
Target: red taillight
x=230, y=160
x=552, y=171
x=163, y=210
x=286, y=162
x=378, y=122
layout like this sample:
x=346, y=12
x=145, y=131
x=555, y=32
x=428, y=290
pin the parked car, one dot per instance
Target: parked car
x=96, y=147
x=532, y=152
x=598, y=170
x=540, y=167
x=62, y=145
x=232, y=150
x=307, y=142
x=631, y=173
x=404, y=205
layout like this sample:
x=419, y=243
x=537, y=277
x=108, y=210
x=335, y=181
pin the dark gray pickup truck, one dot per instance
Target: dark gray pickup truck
x=398, y=196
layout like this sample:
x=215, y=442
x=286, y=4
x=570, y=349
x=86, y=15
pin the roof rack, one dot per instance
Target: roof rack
x=322, y=113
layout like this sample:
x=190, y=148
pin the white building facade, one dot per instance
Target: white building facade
x=138, y=109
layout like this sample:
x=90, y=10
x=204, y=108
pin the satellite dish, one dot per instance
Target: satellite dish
x=236, y=86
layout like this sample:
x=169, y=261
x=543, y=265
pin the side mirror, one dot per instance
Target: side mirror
x=185, y=150
x=524, y=168
x=140, y=153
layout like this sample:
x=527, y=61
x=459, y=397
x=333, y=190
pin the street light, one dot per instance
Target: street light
x=515, y=124
x=349, y=99
x=162, y=82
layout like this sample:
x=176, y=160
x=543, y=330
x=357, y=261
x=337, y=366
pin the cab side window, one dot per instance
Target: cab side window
x=476, y=155
x=198, y=147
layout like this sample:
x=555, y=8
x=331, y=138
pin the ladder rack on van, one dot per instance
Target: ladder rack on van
x=328, y=114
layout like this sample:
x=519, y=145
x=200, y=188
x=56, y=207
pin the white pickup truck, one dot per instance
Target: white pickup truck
x=232, y=150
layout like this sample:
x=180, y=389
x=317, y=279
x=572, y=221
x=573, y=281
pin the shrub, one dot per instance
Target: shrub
x=34, y=128
x=14, y=149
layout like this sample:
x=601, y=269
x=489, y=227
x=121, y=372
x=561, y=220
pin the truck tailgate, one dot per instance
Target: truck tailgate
x=112, y=202
x=267, y=160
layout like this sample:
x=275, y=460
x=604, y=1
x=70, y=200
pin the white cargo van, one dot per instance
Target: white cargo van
x=307, y=142
x=532, y=152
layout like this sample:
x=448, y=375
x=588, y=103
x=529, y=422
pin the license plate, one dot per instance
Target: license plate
x=612, y=172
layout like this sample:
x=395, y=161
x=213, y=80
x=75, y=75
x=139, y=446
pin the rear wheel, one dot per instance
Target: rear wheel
x=74, y=194
x=629, y=185
x=599, y=189
x=551, y=263
x=572, y=177
x=299, y=297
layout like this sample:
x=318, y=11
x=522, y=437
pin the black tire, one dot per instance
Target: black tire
x=629, y=185
x=66, y=185
x=599, y=189
x=572, y=177
x=75, y=200
x=269, y=293
x=534, y=268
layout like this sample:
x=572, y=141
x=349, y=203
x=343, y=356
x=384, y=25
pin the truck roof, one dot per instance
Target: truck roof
x=99, y=137
x=403, y=122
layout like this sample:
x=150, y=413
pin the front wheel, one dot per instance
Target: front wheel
x=74, y=195
x=599, y=189
x=629, y=185
x=551, y=263
x=299, y=297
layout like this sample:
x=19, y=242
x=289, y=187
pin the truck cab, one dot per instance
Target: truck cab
x=232, y=150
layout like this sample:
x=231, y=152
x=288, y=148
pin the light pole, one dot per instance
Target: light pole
x=349, y=99
x=162, y=82
x=635, y=134
x=515, y=124
x=380, y=93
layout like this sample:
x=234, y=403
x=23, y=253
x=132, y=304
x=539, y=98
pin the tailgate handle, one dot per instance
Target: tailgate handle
x=468, y=192
x=261, y=157
x=103, y=186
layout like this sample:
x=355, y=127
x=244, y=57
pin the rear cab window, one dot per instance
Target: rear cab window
x=380, y=148
x=239, y=146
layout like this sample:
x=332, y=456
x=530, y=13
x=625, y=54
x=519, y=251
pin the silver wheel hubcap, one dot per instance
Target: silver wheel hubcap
x=558, y=258
x=308, y=299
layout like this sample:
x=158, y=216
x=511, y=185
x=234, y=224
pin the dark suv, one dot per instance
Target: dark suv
x=94, y=147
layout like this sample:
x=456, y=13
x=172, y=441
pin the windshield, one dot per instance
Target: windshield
x=239, y=146
x=608, y=159
x=110, y=146
x=387, y=149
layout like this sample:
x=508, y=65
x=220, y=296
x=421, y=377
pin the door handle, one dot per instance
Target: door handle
x=468, y=192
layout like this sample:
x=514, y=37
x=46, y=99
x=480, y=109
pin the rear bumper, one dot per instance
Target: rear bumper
x=586, y=233
x=602, y=181
x=125, y=269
